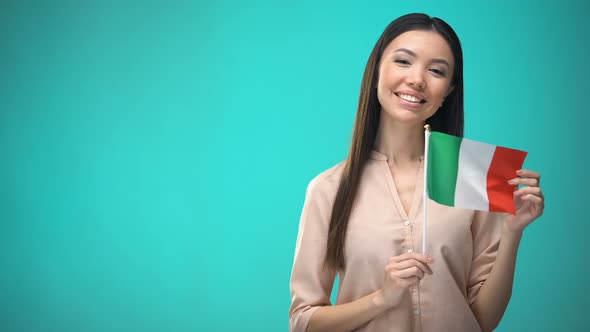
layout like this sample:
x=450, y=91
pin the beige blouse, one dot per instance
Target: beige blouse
x=462, y=242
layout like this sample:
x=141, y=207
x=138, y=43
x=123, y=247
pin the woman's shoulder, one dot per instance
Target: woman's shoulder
x=328, y=180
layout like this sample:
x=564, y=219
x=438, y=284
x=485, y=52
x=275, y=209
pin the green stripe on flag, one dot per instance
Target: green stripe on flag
x=443, y=165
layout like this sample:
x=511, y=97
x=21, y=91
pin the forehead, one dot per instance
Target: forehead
x=426, y=44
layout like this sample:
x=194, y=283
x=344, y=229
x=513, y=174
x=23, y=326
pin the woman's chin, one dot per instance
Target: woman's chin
x=406, y=117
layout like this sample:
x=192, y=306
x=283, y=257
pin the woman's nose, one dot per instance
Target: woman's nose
x=416, y=80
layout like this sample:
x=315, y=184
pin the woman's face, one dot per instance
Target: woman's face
x=415, y=76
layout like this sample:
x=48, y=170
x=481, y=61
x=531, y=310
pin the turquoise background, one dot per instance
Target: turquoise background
x=155, y=155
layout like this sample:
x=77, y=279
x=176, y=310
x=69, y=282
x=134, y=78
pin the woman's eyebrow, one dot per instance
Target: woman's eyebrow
x=405, y=50
x=410, y=53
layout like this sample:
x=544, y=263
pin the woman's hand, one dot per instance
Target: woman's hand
x=402, y=272
x=529, y=200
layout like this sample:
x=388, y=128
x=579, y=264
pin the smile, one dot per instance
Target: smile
x=410, y=98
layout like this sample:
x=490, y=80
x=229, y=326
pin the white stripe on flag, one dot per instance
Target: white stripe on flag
x=474, y=162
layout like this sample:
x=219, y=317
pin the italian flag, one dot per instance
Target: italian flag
x=471, y=175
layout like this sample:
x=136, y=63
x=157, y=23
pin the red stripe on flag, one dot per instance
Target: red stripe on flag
x=505, y=163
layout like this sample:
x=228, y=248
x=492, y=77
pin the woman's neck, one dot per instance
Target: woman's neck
x=403, y=144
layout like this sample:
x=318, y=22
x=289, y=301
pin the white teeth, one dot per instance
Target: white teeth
x=410, y=98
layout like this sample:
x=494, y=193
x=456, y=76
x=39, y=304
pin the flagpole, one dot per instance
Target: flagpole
x=425, y=198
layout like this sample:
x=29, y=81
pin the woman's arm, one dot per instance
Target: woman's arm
x=348, y=316
x=494, y=295
x=400, y=273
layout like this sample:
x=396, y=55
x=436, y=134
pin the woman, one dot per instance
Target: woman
x=362, y=218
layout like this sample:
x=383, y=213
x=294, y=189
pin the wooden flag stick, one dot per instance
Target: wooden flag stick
x=425, y=199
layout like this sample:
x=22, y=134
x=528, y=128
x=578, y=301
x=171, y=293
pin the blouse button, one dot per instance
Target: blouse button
x=407, y=223
x=416, y=311
x=410, y=251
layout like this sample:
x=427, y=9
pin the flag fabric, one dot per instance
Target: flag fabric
x=471, y=175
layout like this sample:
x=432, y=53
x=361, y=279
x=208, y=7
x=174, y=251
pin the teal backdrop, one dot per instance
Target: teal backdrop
x=155, y=154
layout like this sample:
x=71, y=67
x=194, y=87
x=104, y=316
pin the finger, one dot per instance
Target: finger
x=526, y=173
x=419, y=257
x=533, y=199
x=425, y=269
x=413, y=271
x=412, y=262
x=406, y=273
x=407, y=282
x=524, y=181
x=411, y=281
x=529, y=190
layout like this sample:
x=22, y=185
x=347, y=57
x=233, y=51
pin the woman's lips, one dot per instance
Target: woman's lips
x=410, y=100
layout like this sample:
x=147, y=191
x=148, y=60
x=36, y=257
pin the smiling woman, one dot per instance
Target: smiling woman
x=415, y=76
x=362, y=218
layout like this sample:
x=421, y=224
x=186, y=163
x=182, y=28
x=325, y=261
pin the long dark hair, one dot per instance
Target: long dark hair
x=448, y=119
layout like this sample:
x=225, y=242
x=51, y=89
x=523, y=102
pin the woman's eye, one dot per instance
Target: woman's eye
x=402, y=61
x=438, y=72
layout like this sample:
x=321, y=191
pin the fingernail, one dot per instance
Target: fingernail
x=511, y=181
x=519, y=172
x=429, y=259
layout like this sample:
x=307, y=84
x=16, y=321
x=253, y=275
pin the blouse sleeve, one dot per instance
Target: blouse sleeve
x=311, y=283
x=486, y=230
